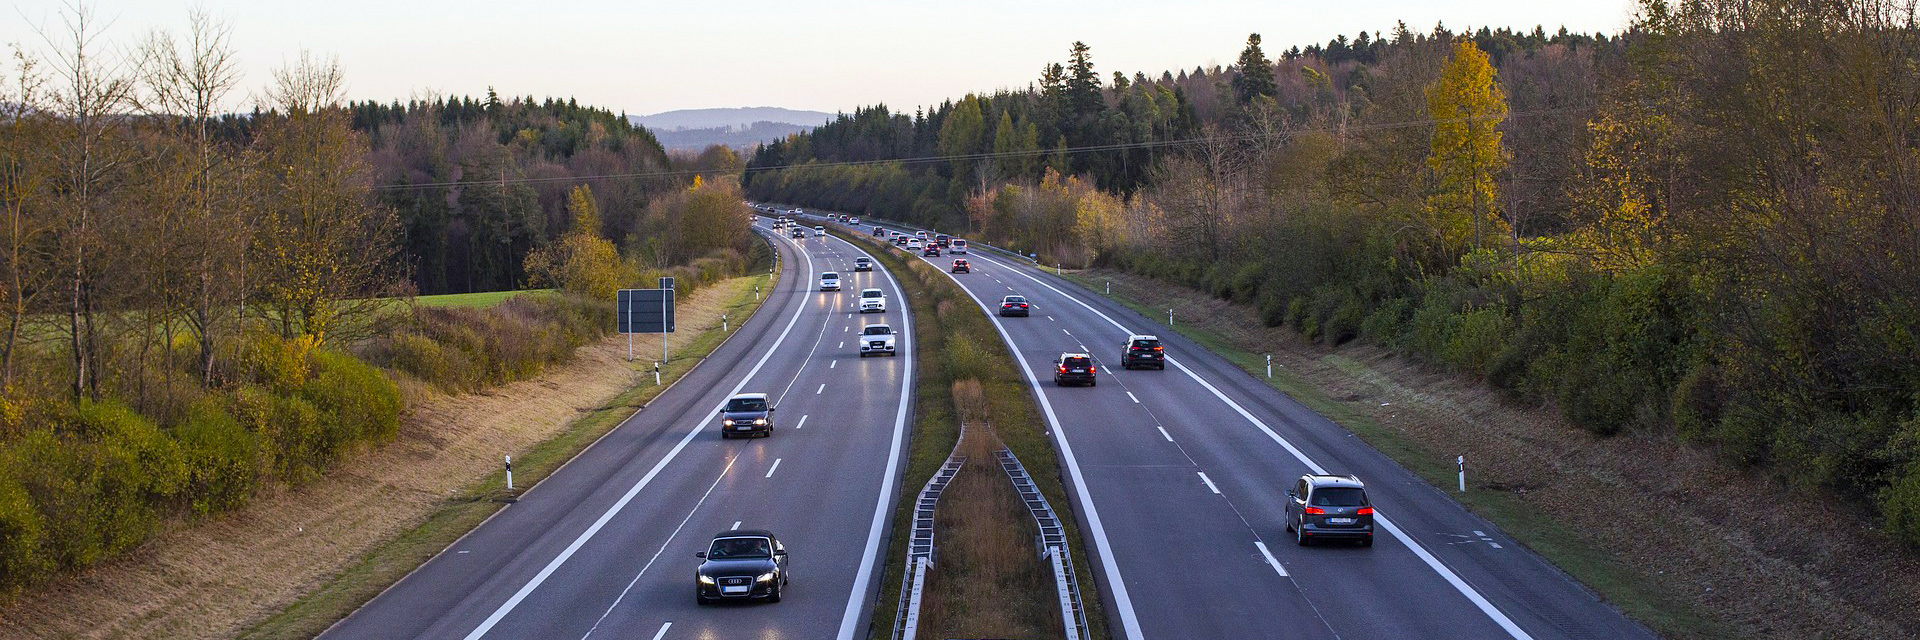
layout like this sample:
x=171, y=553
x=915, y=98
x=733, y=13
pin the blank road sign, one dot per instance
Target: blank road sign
x=645, y=310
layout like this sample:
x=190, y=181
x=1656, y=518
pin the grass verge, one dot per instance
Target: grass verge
x=388, y=563
x=955, y=341
x=480, y=299
x=1636, y=594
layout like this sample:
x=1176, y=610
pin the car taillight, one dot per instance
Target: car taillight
x=1364, y=511
x=1063, y=368
x=1315, y=511
x=1159, y=348
x=1091, y=368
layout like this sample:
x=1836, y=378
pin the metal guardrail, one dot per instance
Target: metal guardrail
x=1053, y=546
x=920, y=549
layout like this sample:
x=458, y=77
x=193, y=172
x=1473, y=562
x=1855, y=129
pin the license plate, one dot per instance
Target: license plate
x=733, y=589
x=1079, y=370
x=743, y=428
x=1339, y=520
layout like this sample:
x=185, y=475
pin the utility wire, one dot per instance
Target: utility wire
x=1098, y=148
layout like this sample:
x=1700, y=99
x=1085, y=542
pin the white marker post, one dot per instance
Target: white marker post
x=723, y=323
x=1269, y=366
x=1109, y=287
x=1169, y=318
x=1462, y=461
x=656, y=374
x=509, y=473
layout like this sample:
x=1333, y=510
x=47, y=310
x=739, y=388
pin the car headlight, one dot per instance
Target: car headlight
x=765, y=577
x=727, y=421
x=760, y=421
x=706, y=579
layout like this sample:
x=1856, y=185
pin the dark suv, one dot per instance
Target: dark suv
x=1329, y=507
x=1143, y=351
x=742, y=564
x=1074, y=368
x=746, y=414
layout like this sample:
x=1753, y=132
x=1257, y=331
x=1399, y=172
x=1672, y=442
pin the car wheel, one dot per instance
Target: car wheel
x=1300, y=536
x=1366, y=542
x=725, y=436
x=701, y=600
x=1093, y=383
x=774, y=596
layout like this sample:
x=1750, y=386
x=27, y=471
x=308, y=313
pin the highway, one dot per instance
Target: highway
x=1178, y=478
x=604, y=547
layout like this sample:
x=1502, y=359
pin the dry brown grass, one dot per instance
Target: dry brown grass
x=970, y=401
x=1755, y=558
x=985, y=542
x=213, y=579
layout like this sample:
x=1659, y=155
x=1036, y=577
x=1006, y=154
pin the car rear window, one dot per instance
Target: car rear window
x=1145, y=344
x=1339, y=497
x=1075, y=362
x=1016, y=299
x=747, y=404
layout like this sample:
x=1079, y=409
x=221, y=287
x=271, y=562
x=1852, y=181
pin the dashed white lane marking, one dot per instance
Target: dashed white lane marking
x=847, y=329
x=1209, y=481
x=835, y=363
x=803, y=423
x=823, y=387
x=663, y=631
x=1271, y=561
x=737, y=523
x=775, y=467
x=1163, y=434
x=1050, y=319
x=1135, y=400
x=843, y=345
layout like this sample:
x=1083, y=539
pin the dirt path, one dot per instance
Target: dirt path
x=213, y=579
x=1757, y=559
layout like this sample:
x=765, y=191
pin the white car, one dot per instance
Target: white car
x=830, y=281
x=957, y=246
x=819, y=231
x=873, y=301
x=913, y=243
x=876, y=339
x=853, y=221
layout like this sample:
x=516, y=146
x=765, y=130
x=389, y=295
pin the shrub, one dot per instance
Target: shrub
x=222, y=458
x=1900, y=506
x=356, y=402
x=22, y=531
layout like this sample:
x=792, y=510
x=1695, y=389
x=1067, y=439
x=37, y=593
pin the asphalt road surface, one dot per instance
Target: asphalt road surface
x=604, y=548
x=1179, y=477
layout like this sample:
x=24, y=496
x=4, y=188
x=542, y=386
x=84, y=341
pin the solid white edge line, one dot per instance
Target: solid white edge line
x=1441, y=568
x=1271, y=561
x=663, y=631
x=1163, y=434
x=1135, y=400
x=857, y=597
x=699, y=425
x=775, y=467
x=1209, y=481
x=1117, y=587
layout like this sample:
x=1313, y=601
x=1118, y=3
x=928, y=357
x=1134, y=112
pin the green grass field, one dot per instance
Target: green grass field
x=480, y=299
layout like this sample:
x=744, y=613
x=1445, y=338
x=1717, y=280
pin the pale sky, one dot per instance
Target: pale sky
x=646, y=56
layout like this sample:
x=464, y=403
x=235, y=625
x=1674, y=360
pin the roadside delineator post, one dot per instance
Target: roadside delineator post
x=723, y=323
x=1462, y=461
x=656, y=374
x=1269, y=366
x=509, y=473
x=1169, y=318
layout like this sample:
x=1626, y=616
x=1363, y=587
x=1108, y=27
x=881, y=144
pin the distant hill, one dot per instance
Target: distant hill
x=732, y=136
x=741, y=117
x=738, y=127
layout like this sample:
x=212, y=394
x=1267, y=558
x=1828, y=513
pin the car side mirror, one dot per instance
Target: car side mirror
x=1291, y=494
x=699, y=554
x=781, y=552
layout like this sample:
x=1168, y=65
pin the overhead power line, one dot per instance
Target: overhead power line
x=918, y=160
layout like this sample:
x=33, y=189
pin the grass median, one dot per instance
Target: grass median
x=737, y=298
x=990, y=581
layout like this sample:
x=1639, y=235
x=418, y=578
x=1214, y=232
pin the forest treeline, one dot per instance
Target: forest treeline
x=197, y=305
x=1702, y=227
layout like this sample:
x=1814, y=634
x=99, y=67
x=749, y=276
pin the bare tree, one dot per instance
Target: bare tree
x=24, y=264
x=90, y=102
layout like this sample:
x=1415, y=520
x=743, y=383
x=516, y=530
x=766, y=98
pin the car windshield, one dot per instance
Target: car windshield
x=747, y=404
x=829, y=276
x=740, y=549
x=1145, y=344
x=1339, y=497
x=872, y=293
x=878, y=330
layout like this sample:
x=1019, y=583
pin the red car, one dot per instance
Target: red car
x=961, y=266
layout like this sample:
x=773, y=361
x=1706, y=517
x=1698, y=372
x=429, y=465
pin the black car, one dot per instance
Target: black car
x=932, y=250
x=1014, y=306
x=1074, y=368
x=742, y=564
x=1143, y=351
x=746, y=414
x=961, y=266
x=1329, y=507
x=863, y=264
x=879, y=231
x=799, y=232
